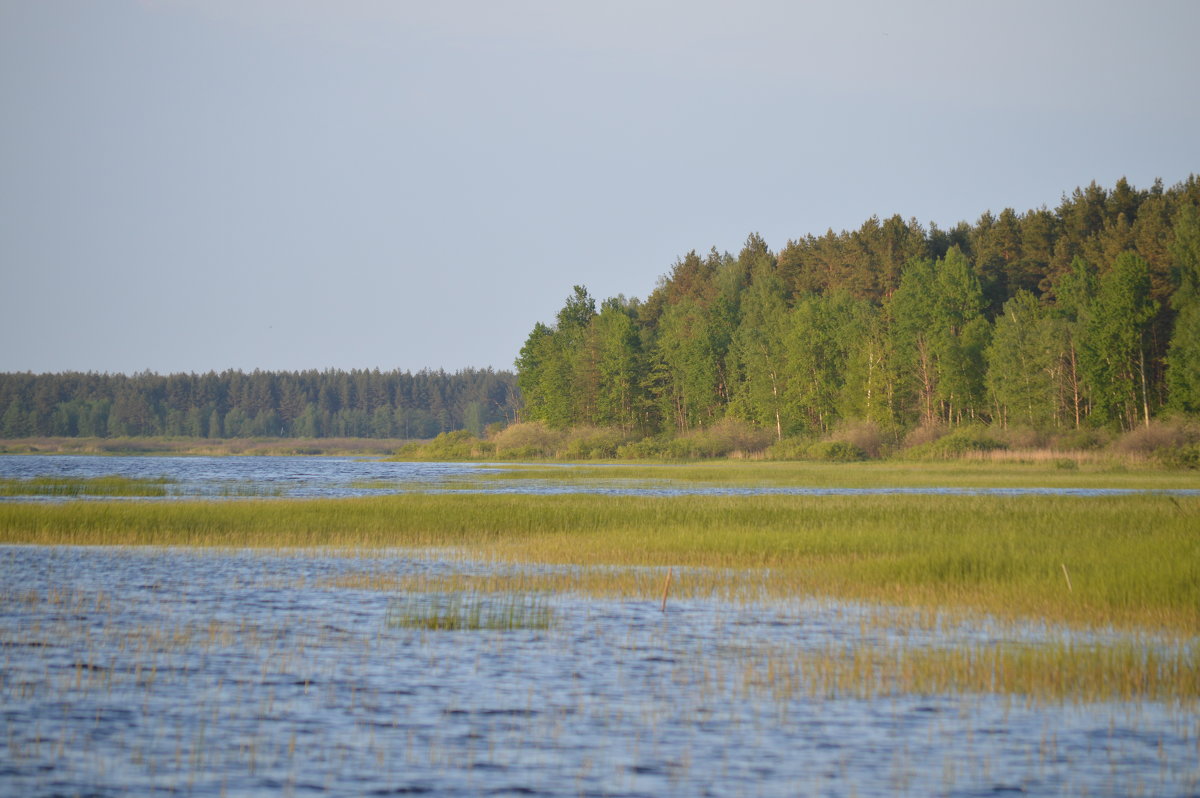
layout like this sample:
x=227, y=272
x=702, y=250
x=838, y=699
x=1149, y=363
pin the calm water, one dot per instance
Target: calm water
x=209, y=673
x=321, y=477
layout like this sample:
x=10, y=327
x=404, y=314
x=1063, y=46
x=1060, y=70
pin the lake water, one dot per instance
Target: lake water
x=332, y=477
x=209, y=673
x=139, y=671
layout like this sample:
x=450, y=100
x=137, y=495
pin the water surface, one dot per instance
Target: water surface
x=208, y=673
x=342, y=477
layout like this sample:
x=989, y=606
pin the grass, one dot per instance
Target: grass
x=1055, y=672
x=112, y=485
x=965, y=473
x=1133, y=561
x=460, y=611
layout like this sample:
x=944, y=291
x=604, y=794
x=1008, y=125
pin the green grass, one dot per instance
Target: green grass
x=1133, y=561
x=113, y=485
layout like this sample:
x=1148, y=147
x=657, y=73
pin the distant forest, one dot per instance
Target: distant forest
x=1087, y=314
x=305, y=404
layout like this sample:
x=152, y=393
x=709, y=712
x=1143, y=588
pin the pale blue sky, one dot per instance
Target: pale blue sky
x=189, y=185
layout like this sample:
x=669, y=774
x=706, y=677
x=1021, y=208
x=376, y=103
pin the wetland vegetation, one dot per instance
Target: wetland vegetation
x=1131, y=560
x=473, y=625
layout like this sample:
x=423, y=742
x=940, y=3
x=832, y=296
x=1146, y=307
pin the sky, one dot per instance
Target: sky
x=195, y=185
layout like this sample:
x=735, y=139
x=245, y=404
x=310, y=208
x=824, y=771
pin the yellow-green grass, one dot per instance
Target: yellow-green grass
x=112, y=485
x=1059, y=671
x=966, y=473
x=1131, y=561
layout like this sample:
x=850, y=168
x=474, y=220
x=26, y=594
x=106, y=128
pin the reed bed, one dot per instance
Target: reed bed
x=1132, y=561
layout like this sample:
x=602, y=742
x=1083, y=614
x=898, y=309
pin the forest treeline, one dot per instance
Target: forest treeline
x=232, y=404
x=1084, y=315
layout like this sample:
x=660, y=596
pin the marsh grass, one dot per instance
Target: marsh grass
x=1013, y=470
x=470, y=611
x=1048, y=672
x=111, y=485
x=1134, y=560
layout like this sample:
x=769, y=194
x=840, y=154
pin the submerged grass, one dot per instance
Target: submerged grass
x=1132, y=561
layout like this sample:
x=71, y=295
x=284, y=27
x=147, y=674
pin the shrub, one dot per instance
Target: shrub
x=789, y=449
x=1082, y=439
x=594, y=443
x=645, y=449
x=457, y=445
x=1021, y=437
x=530, y=439
x=956, y=444
x=409, y=451
x=737, y=436
x=836, y=451
x=1157, y=437
x=1181, y=457
x=920, y=436
x=866, y=436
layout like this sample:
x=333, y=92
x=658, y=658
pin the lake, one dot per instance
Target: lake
x=214, y=672
x=206, y=673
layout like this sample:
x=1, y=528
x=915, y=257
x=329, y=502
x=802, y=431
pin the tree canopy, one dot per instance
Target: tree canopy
x=1085, y=314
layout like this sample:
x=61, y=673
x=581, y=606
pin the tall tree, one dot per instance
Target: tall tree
x=620, y=364
x=760, y=351
x=1114, y=347
x=685, y=369
x=1183, y=356
x=825, y=337
x=939, y=334
x=1022, y=362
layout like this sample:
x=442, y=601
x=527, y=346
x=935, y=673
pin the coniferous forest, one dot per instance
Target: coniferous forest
x=1082, y=316
x=233, y=404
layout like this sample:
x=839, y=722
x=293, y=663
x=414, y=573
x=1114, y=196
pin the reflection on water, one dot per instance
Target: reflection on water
x=334, y=477
x=132, y=670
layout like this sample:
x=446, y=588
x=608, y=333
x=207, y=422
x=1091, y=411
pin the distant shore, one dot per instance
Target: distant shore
x=205, y=446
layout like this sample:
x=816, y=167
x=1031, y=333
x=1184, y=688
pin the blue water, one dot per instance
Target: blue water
x=155, y=671
x=331, y=477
